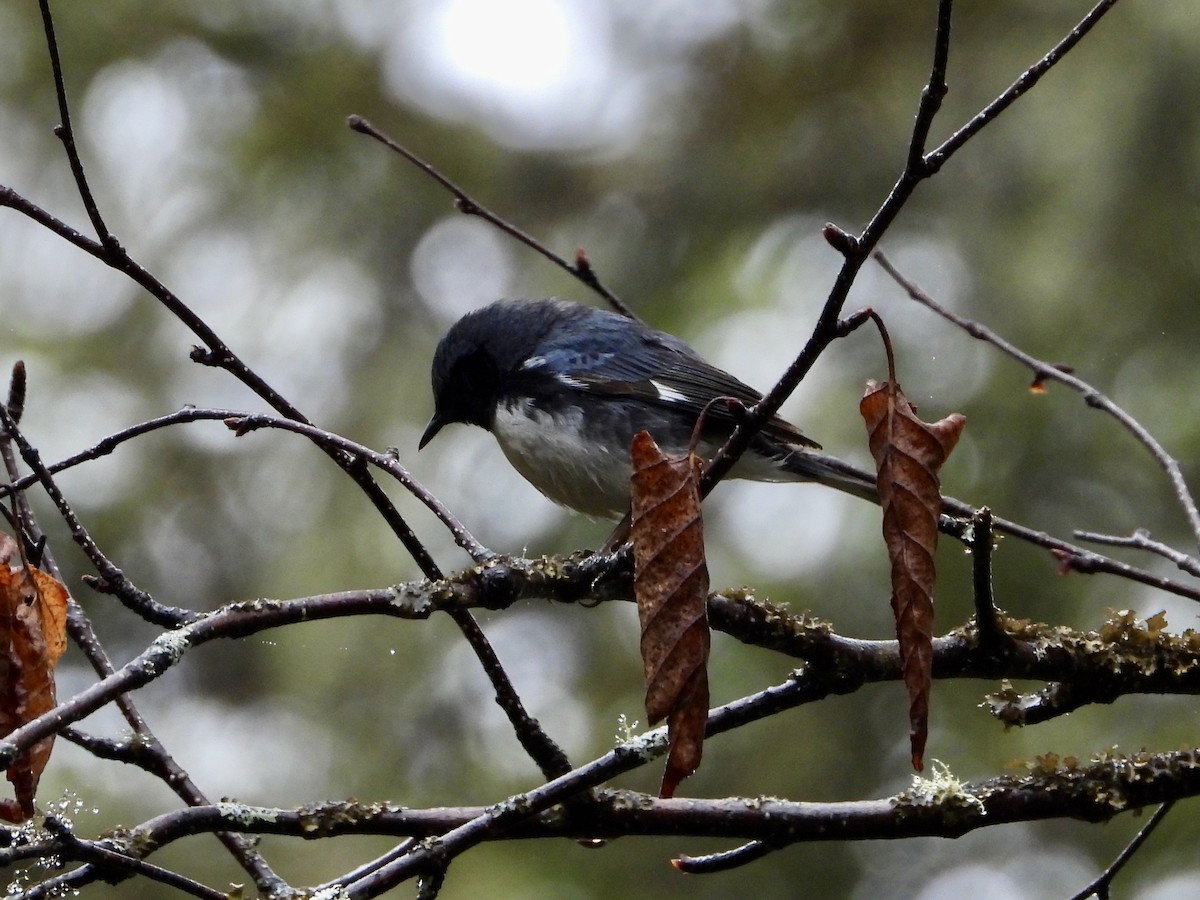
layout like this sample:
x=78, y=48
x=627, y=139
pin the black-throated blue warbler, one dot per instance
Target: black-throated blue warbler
x=564, y=388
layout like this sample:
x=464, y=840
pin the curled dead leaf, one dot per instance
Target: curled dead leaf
x=671, y=587
x=33, y=615
x=908, y=454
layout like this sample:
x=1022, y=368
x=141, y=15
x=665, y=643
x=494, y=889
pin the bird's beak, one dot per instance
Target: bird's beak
x=431, y=430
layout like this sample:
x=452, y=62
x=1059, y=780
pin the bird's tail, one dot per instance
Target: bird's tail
x=829, y=470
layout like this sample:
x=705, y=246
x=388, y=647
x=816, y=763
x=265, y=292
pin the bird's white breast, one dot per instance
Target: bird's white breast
x=551, y=452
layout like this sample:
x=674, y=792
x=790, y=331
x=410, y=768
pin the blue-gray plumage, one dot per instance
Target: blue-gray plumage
x=564, y=388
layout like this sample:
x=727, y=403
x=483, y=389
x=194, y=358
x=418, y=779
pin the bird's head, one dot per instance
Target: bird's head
x=478, y=357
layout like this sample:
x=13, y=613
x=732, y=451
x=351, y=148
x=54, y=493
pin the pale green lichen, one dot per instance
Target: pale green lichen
x=410, y=600
x=172, y=643
x=645, y=747
x=942, y=789
x=626, y=728
x=241, y=814
x=1125, y=646
x=620, y=799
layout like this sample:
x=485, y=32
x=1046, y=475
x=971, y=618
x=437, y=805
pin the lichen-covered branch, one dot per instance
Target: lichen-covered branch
x=1095, y=790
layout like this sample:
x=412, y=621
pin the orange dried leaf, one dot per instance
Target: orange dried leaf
x=33, y=609
x=53, y=599
x=671, y=587
x=908, y=454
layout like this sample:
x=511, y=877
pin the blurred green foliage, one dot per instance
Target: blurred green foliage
x=696, y=167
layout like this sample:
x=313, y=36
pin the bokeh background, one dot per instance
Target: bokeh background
x=694, y=150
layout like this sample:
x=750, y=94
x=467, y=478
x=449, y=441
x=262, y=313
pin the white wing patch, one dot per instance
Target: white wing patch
x=534, y=362
x=570, y=382
x=669, y=393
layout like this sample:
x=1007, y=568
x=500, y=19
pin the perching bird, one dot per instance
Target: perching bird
x=564, y=388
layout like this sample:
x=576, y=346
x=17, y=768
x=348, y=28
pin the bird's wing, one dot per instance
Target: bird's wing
x=664, y=372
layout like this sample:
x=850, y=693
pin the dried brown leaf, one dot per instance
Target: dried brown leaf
x=671, y=586
x=908, y=454
x=33, y=609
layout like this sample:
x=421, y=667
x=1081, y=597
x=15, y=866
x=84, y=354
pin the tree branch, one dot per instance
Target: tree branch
x=466, y=204
x=1126, y=656
x=941, y=806
x=1044, y=371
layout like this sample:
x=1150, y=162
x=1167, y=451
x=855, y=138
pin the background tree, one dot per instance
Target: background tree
x=694, y=151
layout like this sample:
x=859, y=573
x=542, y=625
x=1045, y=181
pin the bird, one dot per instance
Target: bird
x=564, y=387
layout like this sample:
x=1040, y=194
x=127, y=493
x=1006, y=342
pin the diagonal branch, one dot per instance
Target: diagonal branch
x=1044, y=371
x=468, y=205
x=66, y=133
x=856, y=249
x=1021, y=86
x=1100, y=887
x=80, y=629
x=217, y=353
x=112, y=579
x=1141, y=540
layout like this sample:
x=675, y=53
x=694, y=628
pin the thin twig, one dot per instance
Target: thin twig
x=79, y=627
x=725, y=860
x=110, y=862
x=66, y=134
x=1100, y=887
x=956, y=514
x=1141, y=540
x=113, y=579
x=987, y=617
x=20, y=515
x=935, y=88
x=250, y=421
x=217, y=353
x=1031, y=76
x=243, y=423
x=468, y=205
x=1045, y=371
x=856, y=249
